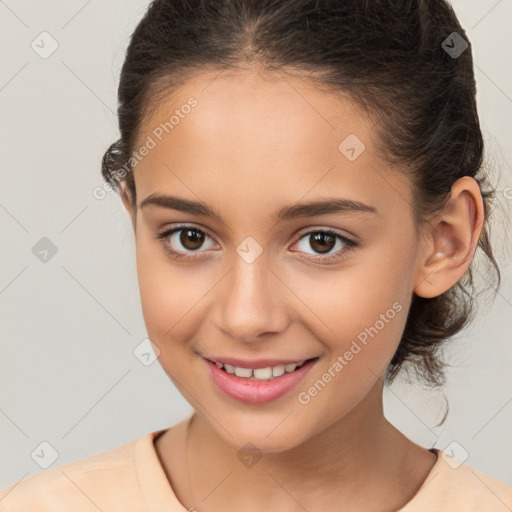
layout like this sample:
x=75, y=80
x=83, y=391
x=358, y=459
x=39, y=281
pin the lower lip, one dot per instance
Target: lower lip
x=257, y=392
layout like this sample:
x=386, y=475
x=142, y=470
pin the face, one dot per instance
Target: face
x=331, y=284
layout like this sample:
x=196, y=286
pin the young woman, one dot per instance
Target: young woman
x=305, y=184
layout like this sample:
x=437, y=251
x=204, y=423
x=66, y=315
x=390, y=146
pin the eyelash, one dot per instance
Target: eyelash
x=350, y=245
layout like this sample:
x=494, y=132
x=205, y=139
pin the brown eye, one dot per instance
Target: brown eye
x=184, y=241
x=327, y=245
x=191, y=239
x=322, y=242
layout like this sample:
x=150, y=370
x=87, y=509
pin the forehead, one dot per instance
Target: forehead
x=272, y=137
x=289, y=107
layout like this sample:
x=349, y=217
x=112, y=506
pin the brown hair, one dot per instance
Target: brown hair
x=389, y=55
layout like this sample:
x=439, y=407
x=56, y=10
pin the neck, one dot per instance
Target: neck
x=356, y=460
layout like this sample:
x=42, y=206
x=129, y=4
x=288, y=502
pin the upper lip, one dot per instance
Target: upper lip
x=253, y=364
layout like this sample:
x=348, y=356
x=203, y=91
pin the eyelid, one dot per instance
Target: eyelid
x=317, y=228
x=177, y=227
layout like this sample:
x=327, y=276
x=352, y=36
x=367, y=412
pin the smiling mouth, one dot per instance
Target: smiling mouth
x=261, y=374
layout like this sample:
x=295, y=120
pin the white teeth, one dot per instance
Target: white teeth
x=229, y=368
x=242, y=372
x=277, y=371
x=260, y=373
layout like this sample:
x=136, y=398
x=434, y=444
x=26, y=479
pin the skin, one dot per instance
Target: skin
x=256, y=142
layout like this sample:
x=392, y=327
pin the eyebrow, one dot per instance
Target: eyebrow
x=326, y=206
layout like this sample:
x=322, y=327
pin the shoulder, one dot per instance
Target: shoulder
x=82, y=485
x=460, y=487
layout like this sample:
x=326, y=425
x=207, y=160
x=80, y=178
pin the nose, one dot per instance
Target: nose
x=252, y=303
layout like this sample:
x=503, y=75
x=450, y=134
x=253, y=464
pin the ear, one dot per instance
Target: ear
x=129, y=203
x=451, y=240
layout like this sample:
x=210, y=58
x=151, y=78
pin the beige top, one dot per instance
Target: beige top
x=130, y=478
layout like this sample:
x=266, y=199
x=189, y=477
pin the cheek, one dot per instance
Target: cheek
x=170, y=294
x=357, y=308
x=363, y=314
x=361, y=309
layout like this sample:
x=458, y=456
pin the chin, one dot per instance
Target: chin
x=260, y=435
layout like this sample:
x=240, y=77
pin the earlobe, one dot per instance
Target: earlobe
x=452, y=239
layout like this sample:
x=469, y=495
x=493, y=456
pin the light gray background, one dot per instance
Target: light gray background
x=69, y=326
